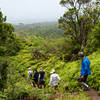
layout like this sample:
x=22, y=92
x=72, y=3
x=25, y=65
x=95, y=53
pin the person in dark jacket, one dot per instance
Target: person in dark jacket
x=35, y=78
x=41, y=78
x=85, y=71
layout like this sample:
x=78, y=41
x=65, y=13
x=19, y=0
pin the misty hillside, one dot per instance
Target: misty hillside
x=46, y=29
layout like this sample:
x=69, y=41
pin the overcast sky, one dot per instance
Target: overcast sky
x=29, y=11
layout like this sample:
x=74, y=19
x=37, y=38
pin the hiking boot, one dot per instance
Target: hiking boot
x=86, y=88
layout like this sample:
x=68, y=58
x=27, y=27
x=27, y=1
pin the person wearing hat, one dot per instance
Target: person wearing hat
x=54, y=79
x=85, y=71
x=30, y=72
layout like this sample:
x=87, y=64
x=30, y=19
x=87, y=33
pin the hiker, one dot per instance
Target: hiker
x=30, y=72
x=85, y=71
x=41, y=78
x=54, y=79
x=35, y=78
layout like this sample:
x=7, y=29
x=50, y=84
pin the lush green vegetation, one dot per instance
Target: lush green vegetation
x=44, y=45
x=18, y=84
x=45, y=30
x=81, y=17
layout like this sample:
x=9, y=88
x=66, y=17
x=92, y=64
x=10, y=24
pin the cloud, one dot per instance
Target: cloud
x=31, y=9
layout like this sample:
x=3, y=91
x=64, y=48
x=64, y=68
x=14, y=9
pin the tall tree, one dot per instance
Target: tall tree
x=6, y=29
x=9, y=44
x=6, y=35
x=78, y=20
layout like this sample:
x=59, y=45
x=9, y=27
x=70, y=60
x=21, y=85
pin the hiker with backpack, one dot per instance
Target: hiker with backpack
x=54, y=79
x=85, y=71
x=41, y=78
x=35, y=78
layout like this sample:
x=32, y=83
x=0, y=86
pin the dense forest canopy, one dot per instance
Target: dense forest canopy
x=82, y=16
x=45, y=29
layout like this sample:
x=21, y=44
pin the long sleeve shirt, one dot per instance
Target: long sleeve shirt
x=85, y=67
x=54, y=79
x=30, y=73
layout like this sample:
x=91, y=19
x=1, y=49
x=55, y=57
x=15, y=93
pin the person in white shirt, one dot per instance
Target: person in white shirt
x=30, y=72
x=54, y=79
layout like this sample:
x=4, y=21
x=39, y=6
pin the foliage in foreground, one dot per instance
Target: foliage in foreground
x=18, y=84
x=81, y=96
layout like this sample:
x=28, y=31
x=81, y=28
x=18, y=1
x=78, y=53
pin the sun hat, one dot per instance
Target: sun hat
x=29, y=68
x=52, y=71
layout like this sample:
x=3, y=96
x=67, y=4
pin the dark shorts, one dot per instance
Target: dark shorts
x=35, y=80
x=42, y=82
x=82, y=79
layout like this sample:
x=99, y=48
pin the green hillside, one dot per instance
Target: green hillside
x=18, y=84
x=51, y=45
x=45, y=30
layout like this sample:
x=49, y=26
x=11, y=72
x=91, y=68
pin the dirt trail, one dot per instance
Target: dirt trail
x=31, y=98
x=55, y=96
x=93, y=94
